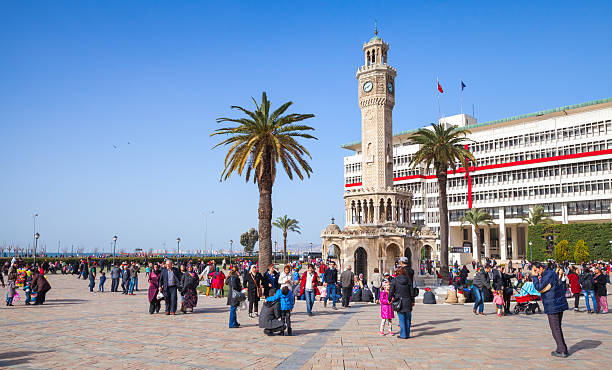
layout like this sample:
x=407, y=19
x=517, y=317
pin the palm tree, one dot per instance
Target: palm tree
x=477, y=218
x=258, y=142
x=286, y=224
x=440, y=148
x=537, y=216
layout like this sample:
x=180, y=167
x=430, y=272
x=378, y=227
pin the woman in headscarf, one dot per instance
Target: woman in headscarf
x=217, y=282
x=189, y=283
x=154, y=303
x=253, y=284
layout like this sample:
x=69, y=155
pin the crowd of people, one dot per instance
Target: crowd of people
x=246, y=286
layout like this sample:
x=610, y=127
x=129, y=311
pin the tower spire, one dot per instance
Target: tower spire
x=375, y=28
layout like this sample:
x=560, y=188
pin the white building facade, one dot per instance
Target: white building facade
x=559, y=158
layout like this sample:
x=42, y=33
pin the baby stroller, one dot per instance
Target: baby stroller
x=527, y=300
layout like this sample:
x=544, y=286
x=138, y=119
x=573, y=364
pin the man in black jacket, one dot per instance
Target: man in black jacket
x=168, y=283
x=330, y=278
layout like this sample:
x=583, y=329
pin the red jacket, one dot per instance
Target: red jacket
x=315, y=283
x=574, y=284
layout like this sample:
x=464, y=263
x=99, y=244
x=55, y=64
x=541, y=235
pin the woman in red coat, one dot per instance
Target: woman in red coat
x=218, y=279
x=308, y=286
x=574, y=286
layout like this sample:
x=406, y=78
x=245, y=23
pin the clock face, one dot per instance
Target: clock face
x=390, y=87
x=367, y=87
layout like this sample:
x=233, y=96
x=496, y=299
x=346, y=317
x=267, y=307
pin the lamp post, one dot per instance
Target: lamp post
x=206, y=228
x=231, y=242
x=114, y=248
x=531, y=251
x=36, y=236
x=311, y=248
x=610, y=248
x=178, y=249
x=275, y=247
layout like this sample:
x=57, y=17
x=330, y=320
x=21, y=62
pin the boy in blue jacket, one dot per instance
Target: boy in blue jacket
x=285, y=296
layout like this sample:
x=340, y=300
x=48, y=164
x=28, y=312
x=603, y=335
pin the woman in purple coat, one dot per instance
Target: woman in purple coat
x=154, y=303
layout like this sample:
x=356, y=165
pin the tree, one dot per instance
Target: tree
x=537, y=216
x=477, y=218
x=248, y=240
x=442, y=148
x=562, y=252
x=287, y=224
x=581, y=252
x=258, y=143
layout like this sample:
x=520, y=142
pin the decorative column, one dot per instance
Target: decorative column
x=503, y=242
x=487, y=241
x=474, y=245
x=514, y=230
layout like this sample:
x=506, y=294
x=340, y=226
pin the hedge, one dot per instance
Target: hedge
x=596, y=236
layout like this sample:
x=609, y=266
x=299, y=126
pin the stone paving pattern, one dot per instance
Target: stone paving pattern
x=78, y=329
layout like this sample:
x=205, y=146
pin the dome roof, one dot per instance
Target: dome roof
x=375, y=38
x=332, y=229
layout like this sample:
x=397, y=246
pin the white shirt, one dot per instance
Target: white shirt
x=309, y=278
x=286, y=280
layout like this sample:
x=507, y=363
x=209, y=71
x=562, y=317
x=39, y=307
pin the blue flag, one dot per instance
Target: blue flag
x=462, y=86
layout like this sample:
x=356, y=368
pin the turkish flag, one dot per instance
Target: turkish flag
x=440, y=87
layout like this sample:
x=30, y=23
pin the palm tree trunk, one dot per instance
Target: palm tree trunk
x=265, y=213
x=443, y=206
x=285, y=245
x=478, y=254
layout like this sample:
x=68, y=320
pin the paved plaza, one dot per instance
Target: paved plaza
x=78, y=329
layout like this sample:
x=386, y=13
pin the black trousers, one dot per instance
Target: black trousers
x=40, y=298
x=346, y=296
x=170, y=297
x=253, y=304
x=286, y=318
x=554, y=321
x=507, y=296
x=577, y=299
x=115, y=285
x=154, y=306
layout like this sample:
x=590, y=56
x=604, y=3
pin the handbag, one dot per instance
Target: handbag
x=396, y=305
x=238, y=296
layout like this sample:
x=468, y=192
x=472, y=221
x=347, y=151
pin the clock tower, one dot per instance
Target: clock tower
x=376, y=100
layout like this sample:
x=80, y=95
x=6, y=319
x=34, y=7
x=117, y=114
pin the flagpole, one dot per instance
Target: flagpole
x=438, y=94
x=461, y=96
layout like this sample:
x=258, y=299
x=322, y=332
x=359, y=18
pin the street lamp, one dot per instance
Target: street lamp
x=275, y=248
x=36, y=236
x=531, y=251
x=114, y=248
x=311, y=248
x=231, y=242
x=206, y=228
x=178, y=249
x=610, y=248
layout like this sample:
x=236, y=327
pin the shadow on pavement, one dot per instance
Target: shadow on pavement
x=311, y=331
x=17, y=357
x=584, y=344
x=437, y=332
x=435, y=322
x=61, y=302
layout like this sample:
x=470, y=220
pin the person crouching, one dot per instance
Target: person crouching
x=285, y=296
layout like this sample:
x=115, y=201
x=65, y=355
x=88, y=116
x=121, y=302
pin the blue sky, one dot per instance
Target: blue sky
x=78, y=78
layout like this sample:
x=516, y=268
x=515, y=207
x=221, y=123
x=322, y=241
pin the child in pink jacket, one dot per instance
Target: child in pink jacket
x=498, y=301
x=386, y=311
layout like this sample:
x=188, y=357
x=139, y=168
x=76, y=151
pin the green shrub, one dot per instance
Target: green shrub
x=581, y=252
x=562, y=252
